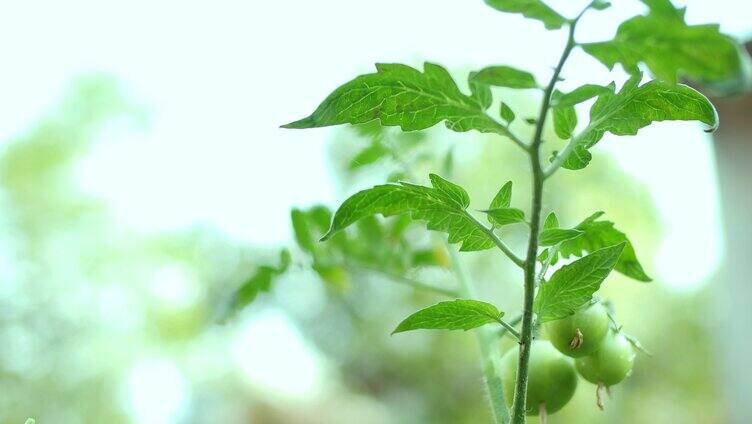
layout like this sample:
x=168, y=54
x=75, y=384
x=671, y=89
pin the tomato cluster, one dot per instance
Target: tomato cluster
x=584, y=343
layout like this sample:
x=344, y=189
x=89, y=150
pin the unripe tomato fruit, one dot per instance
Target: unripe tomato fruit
x=552, y=378
x=580, y=334
x=611, y=364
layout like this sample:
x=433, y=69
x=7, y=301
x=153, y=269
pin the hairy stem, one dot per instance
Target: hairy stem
x=489, y=348
x=526, y=334
x=487, y=340
x=510, y=329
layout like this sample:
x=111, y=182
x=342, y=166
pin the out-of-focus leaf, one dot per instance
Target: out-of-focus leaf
x=504, y=76
x=371, y=154
x=302, y=230
x=600, y=5
x=333, y=275
x=533, y=9
x=457, y=314
x=669, y=47
x=506, y=113
x=260, y=281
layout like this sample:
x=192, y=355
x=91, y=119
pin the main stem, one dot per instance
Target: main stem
x=526, y=334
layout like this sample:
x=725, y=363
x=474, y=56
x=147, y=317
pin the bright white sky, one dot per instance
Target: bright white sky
x=220, y=76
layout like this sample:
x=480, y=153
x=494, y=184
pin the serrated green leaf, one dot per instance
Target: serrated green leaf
x=443, y=206
x=506, y=113
x=504, y=76
x=552, y=221
x=398, y=95
x=565, y=121
x=533, y=9
x=573, y=285
x=457, y=314
x=578, y=95
x=371, y=154
x=600, y=234
x=505, y=216
x=552, y=236
x=503, y=198
x=637, y=106
x=669, y=47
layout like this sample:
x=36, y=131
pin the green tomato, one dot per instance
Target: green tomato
x=580, y=334
x=611, y=364
x=552, y=378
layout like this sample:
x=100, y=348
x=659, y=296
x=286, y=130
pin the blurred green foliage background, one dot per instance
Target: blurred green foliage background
x=101, y=323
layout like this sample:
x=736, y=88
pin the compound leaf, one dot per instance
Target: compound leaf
x=637, y=106
x=573, y=285
x=457, y=314
x=664, y=42
x=399, y=95
x=443, y=206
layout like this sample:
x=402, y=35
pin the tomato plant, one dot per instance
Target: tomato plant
x=658, y=42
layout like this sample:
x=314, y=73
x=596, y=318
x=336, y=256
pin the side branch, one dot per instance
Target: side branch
x=406, y=281
x=499, y=242
x=504, y=131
